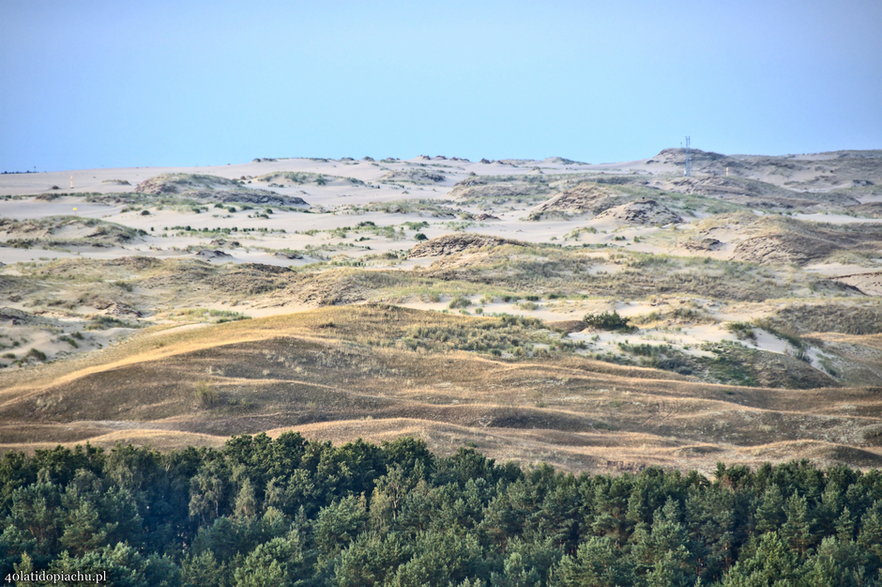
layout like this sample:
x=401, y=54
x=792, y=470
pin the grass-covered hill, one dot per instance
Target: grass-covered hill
x=513, y=387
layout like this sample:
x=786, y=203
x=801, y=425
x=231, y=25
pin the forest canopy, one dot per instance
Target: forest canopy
x=287, y=511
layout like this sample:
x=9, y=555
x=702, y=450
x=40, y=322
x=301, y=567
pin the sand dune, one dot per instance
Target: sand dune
x=154, y=305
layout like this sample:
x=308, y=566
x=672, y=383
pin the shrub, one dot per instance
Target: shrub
x=35, y=354
x=206, y=396
x=460, y=302
x=69, y=340
x=608, y=321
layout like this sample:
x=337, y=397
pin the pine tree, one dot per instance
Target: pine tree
x=597, y=563
x=83, y=530
x=770, y=512
x=24, y=567
x=772, y=563
x=870, y=535
x=844, y=526
x=836, y=563
x=796, y=530
x=203, y=570
x=272, y=563
x=515, y=574
x=338, y=524
x=662, y=550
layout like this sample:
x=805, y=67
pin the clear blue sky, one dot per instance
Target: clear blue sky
x=93, y=83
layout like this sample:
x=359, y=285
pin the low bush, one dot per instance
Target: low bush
x=608, y=321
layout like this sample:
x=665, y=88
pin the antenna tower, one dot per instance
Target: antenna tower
x=687, y=160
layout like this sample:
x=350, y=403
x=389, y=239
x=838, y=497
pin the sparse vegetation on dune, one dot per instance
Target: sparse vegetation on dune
x=64, y=232
x=785, y=240
x=604, y=195
x=451, y=244
x=752, y=193
x=415, y=175
x=214, y=189
x=210, y=315
x=422, y=207
x=287, y=178
x=580, y=314
x=817, y=172
x=510, y=337
x=488, y=191
x=851, y=317
x=578, y=270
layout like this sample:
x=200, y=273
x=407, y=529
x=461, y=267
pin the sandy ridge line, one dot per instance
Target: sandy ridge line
x=393, y=424
x=669, y=446
x=124, y=437
x=156, y=354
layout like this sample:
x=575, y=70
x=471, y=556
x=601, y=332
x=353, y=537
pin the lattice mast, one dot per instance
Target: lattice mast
x=687, y=159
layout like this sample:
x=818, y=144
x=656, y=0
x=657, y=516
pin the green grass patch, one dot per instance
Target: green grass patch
x=211, y=315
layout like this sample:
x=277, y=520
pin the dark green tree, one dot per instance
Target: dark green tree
x=276, y=562
x=772, y=563
x=339, y=524
x=770, y=512
x=796, y=531
x=836, y=563
x=203, y=570
x=597, y=563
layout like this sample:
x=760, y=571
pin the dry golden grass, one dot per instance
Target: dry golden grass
x=332, y=375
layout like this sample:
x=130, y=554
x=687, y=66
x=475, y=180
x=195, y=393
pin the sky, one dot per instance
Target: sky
x=95, y=83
